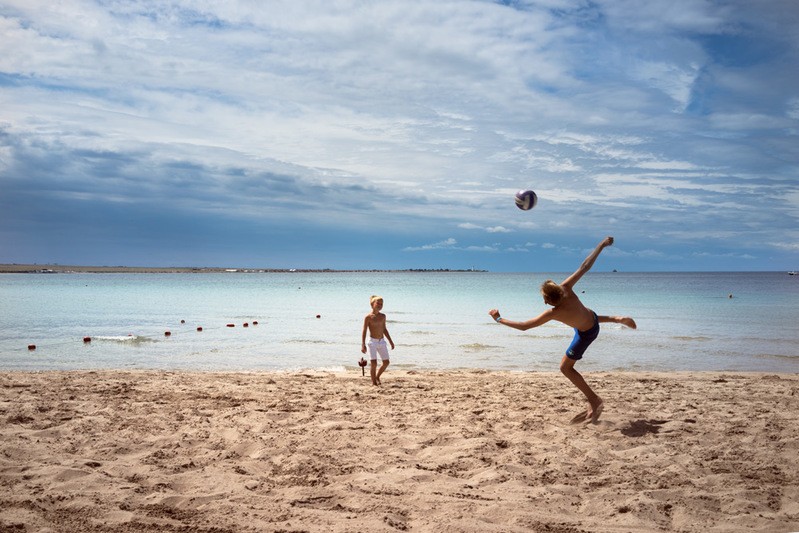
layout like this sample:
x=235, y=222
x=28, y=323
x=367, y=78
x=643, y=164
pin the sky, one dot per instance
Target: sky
x=393, y=134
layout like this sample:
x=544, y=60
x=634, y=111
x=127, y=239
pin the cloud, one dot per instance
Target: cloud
x=498, y=229
x=790, y=246
x=445, y=244
x=671, y=125
x=487, y=229
x=452, y=244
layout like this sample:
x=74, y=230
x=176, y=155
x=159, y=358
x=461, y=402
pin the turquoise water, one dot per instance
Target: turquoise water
x=437, y=319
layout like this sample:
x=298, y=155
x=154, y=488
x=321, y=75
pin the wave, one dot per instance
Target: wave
x=307, y=341
x=124, y=339
x=338, y=369
x=777, y=356
x=478, y=347
x=419, y=345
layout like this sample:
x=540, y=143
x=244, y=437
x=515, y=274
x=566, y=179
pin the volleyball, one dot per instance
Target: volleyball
x=526, y=200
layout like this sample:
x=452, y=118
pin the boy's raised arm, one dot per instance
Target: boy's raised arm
x=587, y=263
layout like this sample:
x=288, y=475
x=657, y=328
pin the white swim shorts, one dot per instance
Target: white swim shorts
x=378, y=346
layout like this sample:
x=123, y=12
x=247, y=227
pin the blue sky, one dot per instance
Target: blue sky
x=394, y=134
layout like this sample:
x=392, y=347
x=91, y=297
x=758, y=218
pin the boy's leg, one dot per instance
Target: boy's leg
x=373, y=370
x=382, y=350
x=568, y=370
x=382, y=369
x=625, y=320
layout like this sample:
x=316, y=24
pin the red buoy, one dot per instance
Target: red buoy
x=246, y=325
x=199, y=328
x=167, y=333
x=31, y=347
x=182, y=321
x=254, y=322
x=231, y=325
x=318, y=316
x=87, y=339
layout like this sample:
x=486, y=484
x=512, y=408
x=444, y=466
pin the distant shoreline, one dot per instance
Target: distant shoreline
x=75, y=269
x=19, y=268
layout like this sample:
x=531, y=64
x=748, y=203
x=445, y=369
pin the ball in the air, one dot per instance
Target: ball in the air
x=526, y=200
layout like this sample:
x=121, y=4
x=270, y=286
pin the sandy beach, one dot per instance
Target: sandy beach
x=428, y=451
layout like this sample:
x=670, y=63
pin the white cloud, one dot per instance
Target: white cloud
x=623, y=116
x=487, y=229
x=469, y=225
x=498, y=229
x=792, y=108
x=448, y=243
x=484, y=248
x=790, y=246
x=674, y=80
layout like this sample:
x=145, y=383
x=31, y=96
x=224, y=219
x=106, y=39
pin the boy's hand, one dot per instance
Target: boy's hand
x=607, y=242
x=494, y=313
x=363, y=348
x=392, y=344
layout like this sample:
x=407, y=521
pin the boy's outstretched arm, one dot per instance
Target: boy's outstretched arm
x=587, y=263
x=543, y=318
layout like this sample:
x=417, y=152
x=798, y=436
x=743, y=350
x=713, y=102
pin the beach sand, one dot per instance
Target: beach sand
x=120, y=451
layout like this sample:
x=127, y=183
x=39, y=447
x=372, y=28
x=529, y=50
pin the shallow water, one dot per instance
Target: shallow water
x=686, y=321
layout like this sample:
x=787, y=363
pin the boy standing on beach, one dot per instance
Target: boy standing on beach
x=567, y=308
x=375, y=322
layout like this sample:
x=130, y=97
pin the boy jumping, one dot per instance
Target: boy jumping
x=567, y=308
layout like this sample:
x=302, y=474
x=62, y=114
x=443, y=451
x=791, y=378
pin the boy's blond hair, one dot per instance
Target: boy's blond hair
x=373, y=298
x=552, y=292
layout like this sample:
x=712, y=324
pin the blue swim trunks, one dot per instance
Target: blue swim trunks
x=582, y=340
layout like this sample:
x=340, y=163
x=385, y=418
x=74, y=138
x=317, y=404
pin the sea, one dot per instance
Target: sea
x=296, y=321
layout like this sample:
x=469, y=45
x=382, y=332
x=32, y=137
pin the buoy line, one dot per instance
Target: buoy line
x=87, y=339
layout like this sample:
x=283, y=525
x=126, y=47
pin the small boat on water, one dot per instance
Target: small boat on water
x=792, y=273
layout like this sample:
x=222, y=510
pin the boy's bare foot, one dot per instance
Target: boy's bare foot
x=593, y=415
x=580, y=417
x=629, y=322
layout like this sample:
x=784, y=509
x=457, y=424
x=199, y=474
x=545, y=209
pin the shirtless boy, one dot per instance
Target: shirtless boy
x=567, y=308
x=375, y=322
